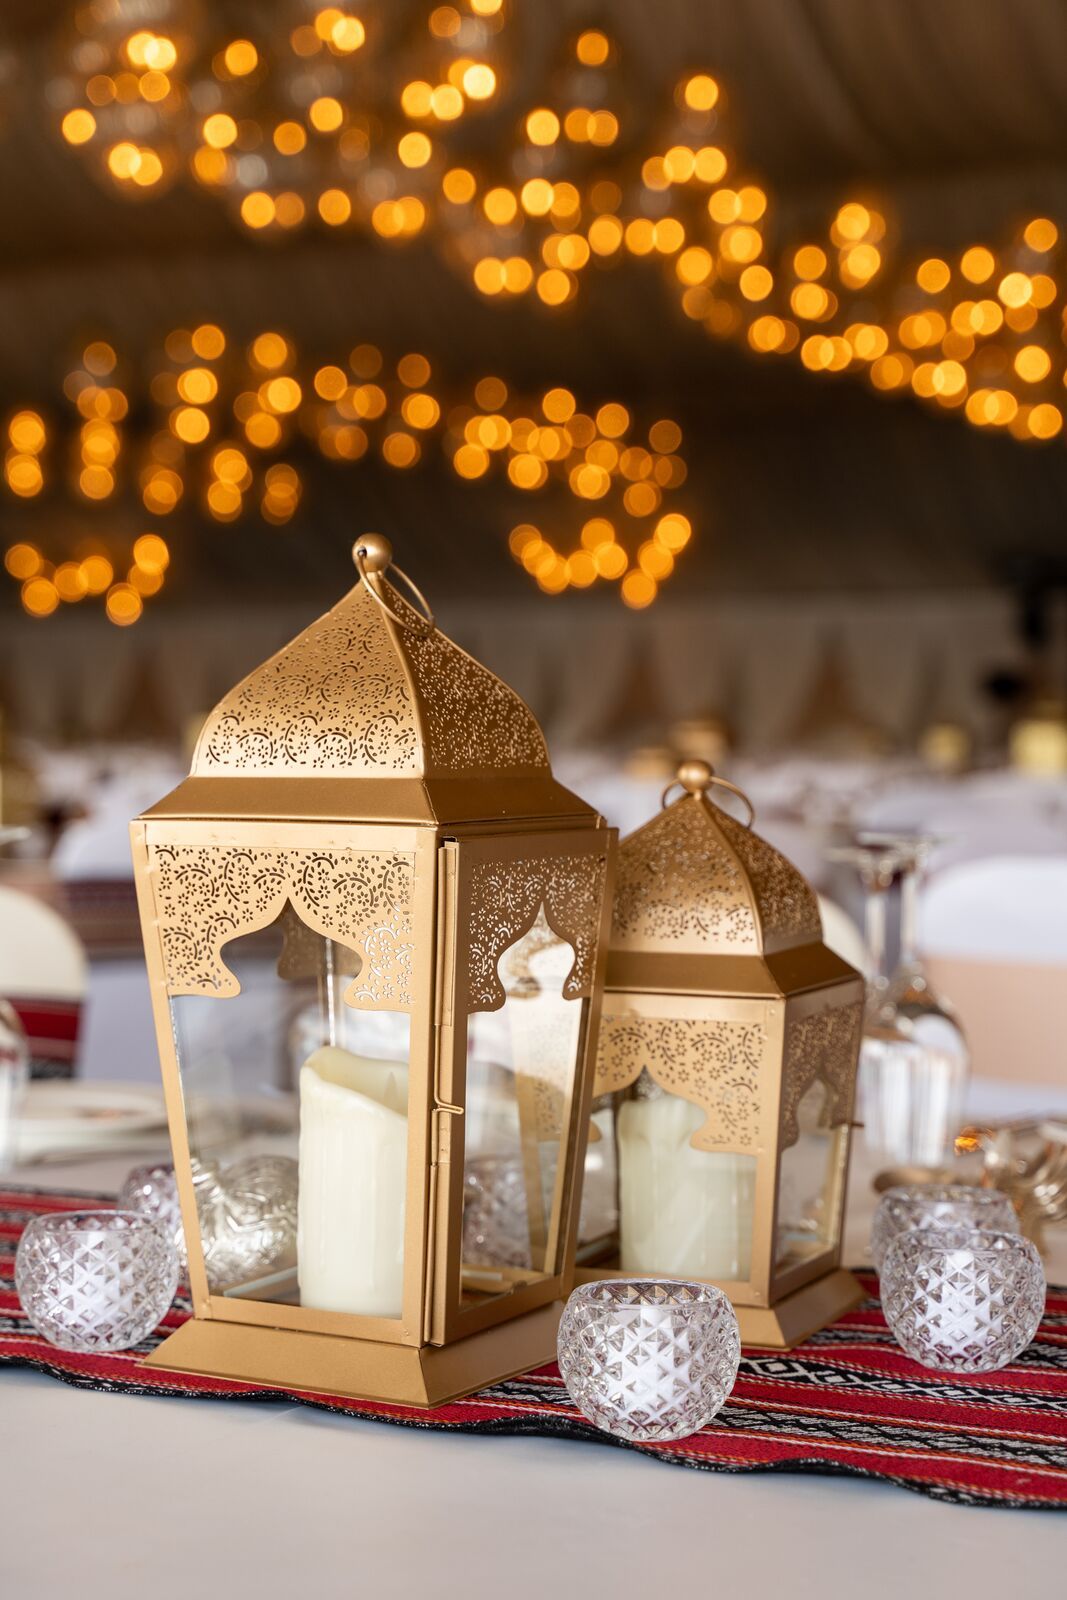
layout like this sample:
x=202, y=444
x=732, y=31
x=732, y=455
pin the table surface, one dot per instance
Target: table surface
x=119, y=1496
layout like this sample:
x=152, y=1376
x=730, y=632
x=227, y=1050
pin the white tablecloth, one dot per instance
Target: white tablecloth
x=117, y=1497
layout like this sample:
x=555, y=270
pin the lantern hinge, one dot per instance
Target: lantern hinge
x=446, y=935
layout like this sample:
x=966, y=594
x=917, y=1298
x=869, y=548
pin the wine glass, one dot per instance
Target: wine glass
x=930, y=1017
x=910, y=1083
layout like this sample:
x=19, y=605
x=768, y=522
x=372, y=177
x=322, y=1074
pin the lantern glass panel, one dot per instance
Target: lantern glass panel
x=598, y=1220
x=522, y=1063
x=284, y=1073
x=809, y=1184
x=683, y=1211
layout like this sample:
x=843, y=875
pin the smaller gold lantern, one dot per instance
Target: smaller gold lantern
x=727, y=1063
x=371, y=891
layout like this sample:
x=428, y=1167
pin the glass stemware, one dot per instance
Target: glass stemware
x=920, y=1011
x=910, y=1079
x=910, y=991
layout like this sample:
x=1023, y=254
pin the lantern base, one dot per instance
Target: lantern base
x=792, y=1320
x=789, y=1321
x=360, y=1369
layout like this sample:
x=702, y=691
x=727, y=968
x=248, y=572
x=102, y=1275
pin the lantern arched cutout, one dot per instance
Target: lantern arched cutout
x=727, y=1063
x=382, y=807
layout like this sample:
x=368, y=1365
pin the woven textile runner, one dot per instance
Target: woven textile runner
x=847, y=1402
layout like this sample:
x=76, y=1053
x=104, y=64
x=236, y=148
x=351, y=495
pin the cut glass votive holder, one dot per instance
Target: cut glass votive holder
x=649, y=1359
x=963, y=1299
x=937, y=1205
x=95, y=1280
x=153, y=1191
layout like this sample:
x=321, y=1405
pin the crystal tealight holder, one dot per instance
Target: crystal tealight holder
x=95, y=1280
x=496, y=1229
x=937, y=1205
x=153, y=1190
x=962, y=1299
x=648, y=1358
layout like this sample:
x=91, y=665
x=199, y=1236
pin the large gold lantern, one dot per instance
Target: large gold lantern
x=726, y=1074
x=374, y=926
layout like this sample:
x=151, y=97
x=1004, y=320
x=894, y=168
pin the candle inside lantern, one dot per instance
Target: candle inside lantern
x=682, y=1211
x=353, y=1182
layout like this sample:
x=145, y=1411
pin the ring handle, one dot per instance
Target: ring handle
x=373, y=555
x=697, y=777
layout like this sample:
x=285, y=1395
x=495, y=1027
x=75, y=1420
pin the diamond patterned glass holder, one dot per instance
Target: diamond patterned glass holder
x=649, y=1358
x=962, y=1300
x=95, y=1280
x=938, y=1205
x=153, y=1191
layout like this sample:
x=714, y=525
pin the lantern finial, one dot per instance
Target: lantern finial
x=372, y=552
x=695, y=776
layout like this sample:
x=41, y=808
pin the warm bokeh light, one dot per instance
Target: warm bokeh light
x=123, y=604
x=69, y=580
x=26, y=431
x=933, y=275
x=40, y=597
x=700, y=92
x=977, y=264
x=270, y=351
x=98, y=573
x=208, y=341
x=240, y=57
x=151, y=552
x=1041, y=235
x=78, y=126
x=592, y=48
x=22, y=560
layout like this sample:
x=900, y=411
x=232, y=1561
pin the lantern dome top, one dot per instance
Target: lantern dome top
x=696, y=881
x=373, y=691
x=370, y=690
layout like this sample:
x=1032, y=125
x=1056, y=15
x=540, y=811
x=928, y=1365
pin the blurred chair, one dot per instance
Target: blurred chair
x=43, y=973
x=994, y=937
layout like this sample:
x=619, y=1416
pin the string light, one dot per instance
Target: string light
x=221, y=434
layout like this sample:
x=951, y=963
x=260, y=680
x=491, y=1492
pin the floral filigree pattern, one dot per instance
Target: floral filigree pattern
x=678, y=885
x=505, y=900
x=823, y=1046
x=207, y=895
x=335, y=699
x=694, y=879
x=471, y=721
x=339, y=700
x=787, y=904
x=715, y=1065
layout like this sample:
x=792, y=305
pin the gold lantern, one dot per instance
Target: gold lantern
x=727, y=1063
x=374, y=927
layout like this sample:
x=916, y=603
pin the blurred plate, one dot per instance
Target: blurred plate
x=59, y=1116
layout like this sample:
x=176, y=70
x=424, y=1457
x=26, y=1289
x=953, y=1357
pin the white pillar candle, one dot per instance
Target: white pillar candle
x=353, y=1183
x=683, y=1211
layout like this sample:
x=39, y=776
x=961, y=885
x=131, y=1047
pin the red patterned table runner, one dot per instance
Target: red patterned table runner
x=847, y=1402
